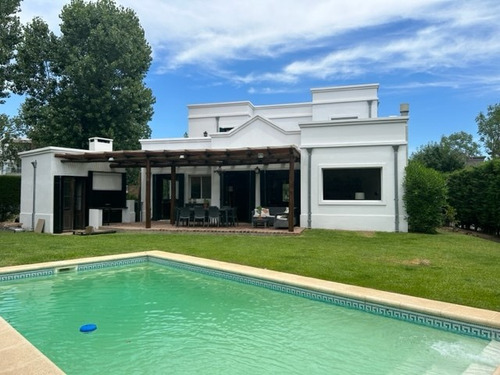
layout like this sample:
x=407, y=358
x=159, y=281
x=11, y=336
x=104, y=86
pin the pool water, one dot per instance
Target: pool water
x=153, y=319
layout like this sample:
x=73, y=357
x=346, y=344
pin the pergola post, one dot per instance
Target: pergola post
x=173, y=194
x=291, y=192
x=148, y=193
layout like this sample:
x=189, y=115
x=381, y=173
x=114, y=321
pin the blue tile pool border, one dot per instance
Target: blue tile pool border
x=450, y=325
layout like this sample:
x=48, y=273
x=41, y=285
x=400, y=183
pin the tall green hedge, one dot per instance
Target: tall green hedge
x=424, y=197
x=475, y=195
x=10, y=196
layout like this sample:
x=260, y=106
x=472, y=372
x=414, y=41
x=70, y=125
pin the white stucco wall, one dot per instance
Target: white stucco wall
x=199, y=143
x=354, y=144
x=357, y=101
x=258, y=132
x=212, y=117
x=48, y=166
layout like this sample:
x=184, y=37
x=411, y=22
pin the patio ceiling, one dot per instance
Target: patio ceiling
x=183, y=158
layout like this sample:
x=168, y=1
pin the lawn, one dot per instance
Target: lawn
x=448, y=266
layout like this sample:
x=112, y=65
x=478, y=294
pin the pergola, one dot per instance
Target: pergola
x=184, y=158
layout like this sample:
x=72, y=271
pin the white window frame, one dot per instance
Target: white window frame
x=365, y=202
x=201, y=177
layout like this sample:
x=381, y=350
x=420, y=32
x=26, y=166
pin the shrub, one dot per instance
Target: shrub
x=475, y=194
x=10, y=196
x=424, y=197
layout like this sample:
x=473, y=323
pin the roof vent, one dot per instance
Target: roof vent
x=404, y=109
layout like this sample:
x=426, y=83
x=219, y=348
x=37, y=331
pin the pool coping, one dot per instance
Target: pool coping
x=18, y=354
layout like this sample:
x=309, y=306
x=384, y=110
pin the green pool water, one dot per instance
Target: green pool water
x=153, y=319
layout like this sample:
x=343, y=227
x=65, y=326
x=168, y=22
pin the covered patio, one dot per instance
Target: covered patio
x=175, y=159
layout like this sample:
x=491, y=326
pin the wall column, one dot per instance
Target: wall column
x=257, y=188
x=291, y=192
x=396, y=189
x=173, y=194
x=148, y=193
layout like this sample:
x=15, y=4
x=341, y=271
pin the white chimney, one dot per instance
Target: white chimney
x=100, y=144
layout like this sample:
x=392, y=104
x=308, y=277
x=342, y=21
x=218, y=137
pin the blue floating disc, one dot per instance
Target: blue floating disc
x=88, y=328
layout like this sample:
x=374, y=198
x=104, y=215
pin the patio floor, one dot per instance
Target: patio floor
x=164, y=226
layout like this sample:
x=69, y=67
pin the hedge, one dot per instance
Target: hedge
x=424, y=197
x=10, y=196
x=475, y=195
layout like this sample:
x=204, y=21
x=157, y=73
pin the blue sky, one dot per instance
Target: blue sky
x=440, y=56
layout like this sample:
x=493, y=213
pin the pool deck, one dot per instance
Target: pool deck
x=18, y=356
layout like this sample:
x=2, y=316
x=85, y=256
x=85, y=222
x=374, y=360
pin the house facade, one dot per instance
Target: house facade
x=349, y=175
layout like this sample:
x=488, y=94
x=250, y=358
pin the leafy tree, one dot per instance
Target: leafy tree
x=424, y=197
x=450, y=154
x=9, y=37
x=462, y=142
x=89, y=80
x=489, y=130
x=10, y=140
x=439, y=157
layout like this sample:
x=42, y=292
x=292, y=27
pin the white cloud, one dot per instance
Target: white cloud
x=450, y=43
x=215, y=35
x=215, y=31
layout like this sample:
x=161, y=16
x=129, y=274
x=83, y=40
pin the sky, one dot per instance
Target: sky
x=440, y=56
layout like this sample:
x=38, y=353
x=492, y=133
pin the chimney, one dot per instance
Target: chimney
x=404, y=109
x=100, y=144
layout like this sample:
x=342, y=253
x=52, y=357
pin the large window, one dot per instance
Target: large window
x=201, y=187
x=352, y=183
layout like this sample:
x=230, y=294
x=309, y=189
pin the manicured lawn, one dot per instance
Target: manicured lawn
x=448, y=266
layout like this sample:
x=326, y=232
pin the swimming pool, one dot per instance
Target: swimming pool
x=159, y=318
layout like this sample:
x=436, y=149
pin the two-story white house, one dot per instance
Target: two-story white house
x=345, y=172
x=351, y=166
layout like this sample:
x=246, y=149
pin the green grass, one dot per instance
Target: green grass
x=448, y=266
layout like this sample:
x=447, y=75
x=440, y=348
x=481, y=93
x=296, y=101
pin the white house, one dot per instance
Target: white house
x=351, y=169
x=348, y=175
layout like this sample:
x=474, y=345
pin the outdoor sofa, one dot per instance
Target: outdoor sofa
x=276, y=217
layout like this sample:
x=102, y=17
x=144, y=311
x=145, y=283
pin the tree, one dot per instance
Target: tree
x=9, y=38
x=489, y=130
x=89, y=80
x=11, y=142
x=424, y=197
x=450, y=154
x=462, y=142
x=439, y=157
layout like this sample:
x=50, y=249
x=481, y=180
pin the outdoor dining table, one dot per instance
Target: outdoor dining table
x=224, y=214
